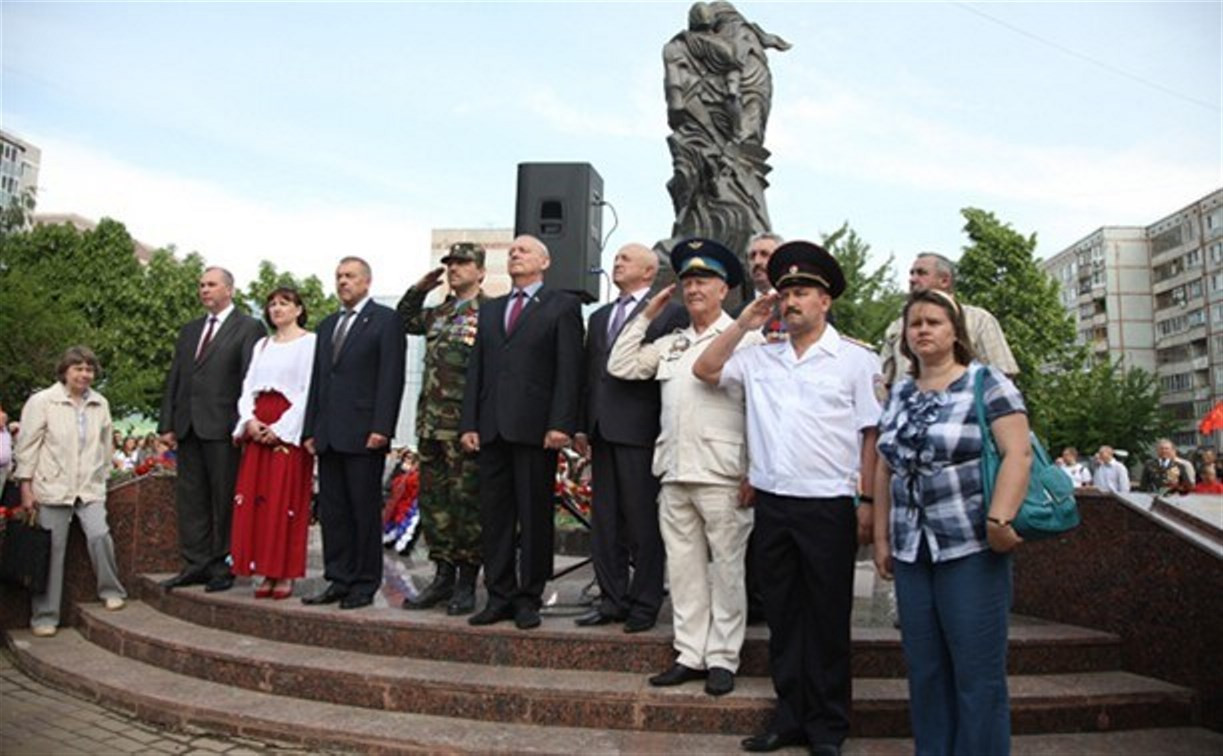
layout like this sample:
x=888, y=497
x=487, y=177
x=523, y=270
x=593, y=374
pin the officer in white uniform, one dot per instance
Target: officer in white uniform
x=701, y=458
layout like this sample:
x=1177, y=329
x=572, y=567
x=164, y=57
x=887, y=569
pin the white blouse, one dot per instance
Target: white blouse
x=284, y=367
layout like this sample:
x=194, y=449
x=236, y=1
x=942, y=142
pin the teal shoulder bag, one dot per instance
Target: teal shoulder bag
x=1049, y=508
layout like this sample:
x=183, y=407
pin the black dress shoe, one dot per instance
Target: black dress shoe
x=770, y=741
x=220, y=583
x=526, y=617
x=491, y=614
x=720, y=681
x=638, y=624
x=677, y=675
x=824, y=749
x=332, y=594
x=594, y=618
x=183, y=579
x=356, y=601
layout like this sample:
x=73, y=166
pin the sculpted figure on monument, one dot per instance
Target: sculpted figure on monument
x=718, y=91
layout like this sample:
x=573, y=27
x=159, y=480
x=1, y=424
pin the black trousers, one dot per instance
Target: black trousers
x=624, y=519
x=516, y=511
x=350, y=512
x=805, y=551
x=204, y=497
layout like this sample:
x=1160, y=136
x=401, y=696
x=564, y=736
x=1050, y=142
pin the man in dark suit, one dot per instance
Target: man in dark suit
x=619, y=428
x=350, y=417
x=198, y=413
x=520, y=406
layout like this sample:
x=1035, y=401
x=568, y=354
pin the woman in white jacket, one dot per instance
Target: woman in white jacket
x=63, y=459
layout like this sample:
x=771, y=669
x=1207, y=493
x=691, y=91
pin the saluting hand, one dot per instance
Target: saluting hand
x=758, y=312
x=432, y=279
x=658, y=302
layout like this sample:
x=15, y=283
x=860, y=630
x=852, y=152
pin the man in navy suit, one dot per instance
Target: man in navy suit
x=619, y=428
x=198, y=413
x=520, y=406
x=350, y=418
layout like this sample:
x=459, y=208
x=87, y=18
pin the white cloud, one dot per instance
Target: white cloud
x=881, y=140
x=228, y=229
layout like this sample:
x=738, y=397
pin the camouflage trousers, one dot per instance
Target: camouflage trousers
x=450, y=502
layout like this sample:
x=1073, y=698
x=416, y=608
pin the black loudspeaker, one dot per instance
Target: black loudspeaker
x=562, y=205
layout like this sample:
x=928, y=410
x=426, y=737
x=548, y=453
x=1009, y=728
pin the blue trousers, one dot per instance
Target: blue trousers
x=953, y=627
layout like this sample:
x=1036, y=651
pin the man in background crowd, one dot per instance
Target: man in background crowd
x=1110, y=474
x=1165, y=471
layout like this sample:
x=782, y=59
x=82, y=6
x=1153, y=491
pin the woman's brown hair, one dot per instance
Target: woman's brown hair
x=962, y=349
x=287, y=293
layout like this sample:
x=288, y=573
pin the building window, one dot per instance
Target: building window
x=1166, y=240
x=1176, y=382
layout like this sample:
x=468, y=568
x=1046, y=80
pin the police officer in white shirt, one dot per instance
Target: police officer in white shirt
x=812, y=408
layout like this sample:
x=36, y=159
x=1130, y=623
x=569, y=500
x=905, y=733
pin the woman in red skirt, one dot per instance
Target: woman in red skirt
x=275, y=481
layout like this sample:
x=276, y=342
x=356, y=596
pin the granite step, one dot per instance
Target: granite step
x=608, y=698
x=68, y=661
x=1036, y=646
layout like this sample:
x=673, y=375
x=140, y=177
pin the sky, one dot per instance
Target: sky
x=301, y=132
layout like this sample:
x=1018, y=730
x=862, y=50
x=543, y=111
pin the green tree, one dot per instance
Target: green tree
x=998, y=271
x=318, y=303
x=92, y=284
x=1106, y=404
x=871, y=300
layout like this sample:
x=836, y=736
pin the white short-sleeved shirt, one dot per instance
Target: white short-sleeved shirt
x=804, y=416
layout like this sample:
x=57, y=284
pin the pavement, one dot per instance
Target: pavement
x=36, y=720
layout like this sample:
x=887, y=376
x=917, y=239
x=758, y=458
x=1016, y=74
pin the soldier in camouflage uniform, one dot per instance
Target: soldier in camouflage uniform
x=449, y=478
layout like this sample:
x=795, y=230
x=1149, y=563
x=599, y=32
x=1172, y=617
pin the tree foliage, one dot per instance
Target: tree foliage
x=998, y=271
x=1071, y=401
x=90, y=289
x=871, y=300
x=319, y=304
x=1106, y=404
x=62, y=286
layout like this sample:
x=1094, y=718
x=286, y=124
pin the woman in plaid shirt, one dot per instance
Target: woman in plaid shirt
x=949, y=549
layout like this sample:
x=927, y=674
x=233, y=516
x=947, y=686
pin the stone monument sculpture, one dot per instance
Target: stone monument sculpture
x=718, y=91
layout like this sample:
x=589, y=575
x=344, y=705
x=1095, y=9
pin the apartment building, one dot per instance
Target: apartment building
x=1153, y=296
x=18, y=167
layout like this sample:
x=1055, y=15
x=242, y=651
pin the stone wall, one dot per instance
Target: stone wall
x=1132, y=573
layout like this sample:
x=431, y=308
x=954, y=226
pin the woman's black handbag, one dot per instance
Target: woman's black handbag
x=26, y=554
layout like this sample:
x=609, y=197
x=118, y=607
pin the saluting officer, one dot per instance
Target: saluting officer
x=812, y=408
x=449, y=477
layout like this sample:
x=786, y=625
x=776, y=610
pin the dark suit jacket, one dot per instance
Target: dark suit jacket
x=360, y=393
x=525, y=384
x=203, y=398
x=623, y=412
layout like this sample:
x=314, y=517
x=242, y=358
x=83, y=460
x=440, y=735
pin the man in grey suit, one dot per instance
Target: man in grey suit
x=198, y=414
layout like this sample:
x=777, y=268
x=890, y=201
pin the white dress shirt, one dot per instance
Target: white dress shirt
x=805, y=415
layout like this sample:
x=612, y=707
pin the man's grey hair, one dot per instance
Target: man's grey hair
x=942, y=264
x=369, y=273
x=227, y=278
x=765, y=235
